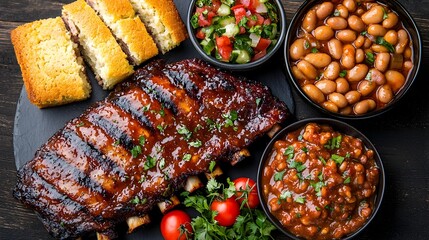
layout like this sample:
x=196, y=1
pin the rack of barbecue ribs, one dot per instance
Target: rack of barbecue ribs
x=140, y=145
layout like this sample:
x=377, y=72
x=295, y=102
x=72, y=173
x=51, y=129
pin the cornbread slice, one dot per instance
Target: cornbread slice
x=98, y=45
x=128, y=29
x=163, y=21
x=52, y=70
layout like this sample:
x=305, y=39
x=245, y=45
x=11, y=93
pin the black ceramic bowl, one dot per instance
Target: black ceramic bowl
x=409, y=25
x=236, y=66
x=337, y=126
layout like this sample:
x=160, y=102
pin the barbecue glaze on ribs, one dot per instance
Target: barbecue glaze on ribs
x=138, y=146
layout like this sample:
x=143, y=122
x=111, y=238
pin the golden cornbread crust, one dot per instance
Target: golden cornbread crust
x=99, y=47
x=170, y=17
x=130, y=31
x=52, y=72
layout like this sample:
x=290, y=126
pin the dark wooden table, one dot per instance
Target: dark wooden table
x=401, y=135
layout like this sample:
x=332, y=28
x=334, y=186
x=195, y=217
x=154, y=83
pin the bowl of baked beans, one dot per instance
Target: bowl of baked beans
x=320, y=178
x=350, y=58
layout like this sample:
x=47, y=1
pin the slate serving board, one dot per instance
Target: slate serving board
x=34, y=126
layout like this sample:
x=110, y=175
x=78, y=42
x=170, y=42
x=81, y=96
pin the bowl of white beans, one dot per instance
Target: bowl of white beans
x=352, y=59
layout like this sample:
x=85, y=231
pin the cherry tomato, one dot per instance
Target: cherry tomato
x=227, y=211
x=246, y=184
x=174, y=224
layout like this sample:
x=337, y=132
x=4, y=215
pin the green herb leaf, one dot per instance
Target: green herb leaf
x=298, y=215
x=336, y=13
x=385, y=16
x=258, y=101
x=212, y=165
x=278, y=176
x=142, y=140
x=304, y=149
x=369, y=76
x=306, y=44
x=136, y=151
x=314, y=50
x=300, y=200
x=381, y=41
x=322, y=160
x=181, y=129
x=363, y=33
x=187, y=157
x=290, y=152
x=197, y=143
x=147, y=107
x=149, y=163
x=300, y=137
x=284, y=195
x=338, y=159
x=347, y=180
x=343, y=73
x=369, y=57
x=117, y=142
x=297, y=165
x=230, y=118
x=80, y=124
x=162, y=112
x=161, y=128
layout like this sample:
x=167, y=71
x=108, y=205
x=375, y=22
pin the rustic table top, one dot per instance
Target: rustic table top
x=400, y=135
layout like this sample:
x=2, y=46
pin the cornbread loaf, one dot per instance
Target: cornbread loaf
x=163, y=21
x=128, y=29
x=52, y=70
x=98, y=45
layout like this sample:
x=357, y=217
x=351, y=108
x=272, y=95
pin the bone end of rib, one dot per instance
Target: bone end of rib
x=193, y=183
x=240, y=156
x=101, y=236
x=215, y=173
x=274, y=130
x=168, y=204
x=135, y=222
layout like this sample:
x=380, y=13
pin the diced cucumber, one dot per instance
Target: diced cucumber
x=231, y=30
x=241, y=56
x=224, y=10
x=208, y=31
x=208, y=46
x=226, y=20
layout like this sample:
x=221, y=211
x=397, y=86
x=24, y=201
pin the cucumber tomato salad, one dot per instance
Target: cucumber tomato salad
x=236, y=31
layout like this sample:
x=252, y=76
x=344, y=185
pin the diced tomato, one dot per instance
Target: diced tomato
x=242, y=30
x=237, y=6
x=215, y=5
x=253, y=4
x=267, y=21
x=200, y=34
x=259, y=55
x=263, y=44
x=260, y=20
x=239, y=13
x=251, y=22
x=224, y=47
x=205, y=21
x=200, y=9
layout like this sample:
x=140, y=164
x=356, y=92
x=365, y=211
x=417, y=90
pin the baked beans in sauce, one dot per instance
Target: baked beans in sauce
x=351, y=57
x=319, y=183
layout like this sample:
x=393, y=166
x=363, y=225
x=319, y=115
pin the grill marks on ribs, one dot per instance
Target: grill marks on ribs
x=139, y=145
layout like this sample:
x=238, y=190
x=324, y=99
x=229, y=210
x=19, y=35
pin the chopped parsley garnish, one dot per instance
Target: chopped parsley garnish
x=142, y=140
x=363, y=33
x=322, y=160
x=213, y=125
x=146, y=108
x=278, y=176
x=347, y=155
x=136, y=151
x=212, y=165
x=300, y=137
x=284, y=195
x=117, y=142
x=317, y=208
x=343, y=73
x=298, y=215
x=162, y=163
x=197, y=128
x=161, y=128
x=347, y=180
x=304, y=149
x=80, y=124
x=336, y=13
x=185, y=132
x=317, y=187
x=320, y=176
x=197, y=143
x=334, y=143
x=187, y=157
x=136, y=200
x=314, y=50
x=338, y=159
x=306, y=44
x=369, y=76
x=230, y=118
x=162, y=112
x=289, y=152
x=385, y=16
x=386, y=44
x=149, y=163
x=258, y=101
x=369, y=57
x=297, y=165
x=300, y=200
x=142, y=179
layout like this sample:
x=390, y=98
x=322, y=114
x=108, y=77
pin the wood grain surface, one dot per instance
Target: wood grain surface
x=400, y=135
